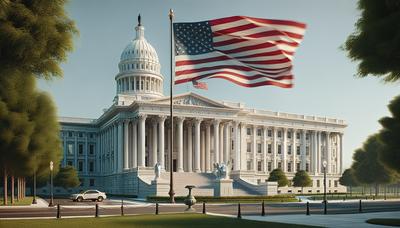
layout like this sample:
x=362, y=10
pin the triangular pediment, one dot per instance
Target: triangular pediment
x=192, y=99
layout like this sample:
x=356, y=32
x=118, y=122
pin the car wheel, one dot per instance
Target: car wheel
x=100, y=199
x=80, y=199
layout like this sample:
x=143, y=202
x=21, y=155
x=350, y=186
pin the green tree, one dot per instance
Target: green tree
x=67, y=177
x=35, y=36
x=279, y=176
x=347, y=179
x=367, y=167
x=302, y=179
x=390, y=135
x=375, y=43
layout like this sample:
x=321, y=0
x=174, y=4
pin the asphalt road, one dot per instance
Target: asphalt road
x=114, y=208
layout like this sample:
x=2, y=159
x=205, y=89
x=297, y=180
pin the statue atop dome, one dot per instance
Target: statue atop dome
x=139, y=18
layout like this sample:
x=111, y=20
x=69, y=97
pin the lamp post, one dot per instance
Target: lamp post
x=325, y=202
x=51, y=184
x=34, y=188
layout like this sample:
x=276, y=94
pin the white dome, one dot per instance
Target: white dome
x=139, y=69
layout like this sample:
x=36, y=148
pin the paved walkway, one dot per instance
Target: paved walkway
x=338, y=220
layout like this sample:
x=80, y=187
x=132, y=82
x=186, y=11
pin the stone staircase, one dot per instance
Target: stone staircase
x=203, y=183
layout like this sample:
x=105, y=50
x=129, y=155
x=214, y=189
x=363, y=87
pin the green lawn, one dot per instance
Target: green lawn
x=164, y=221
x=228, y=199
x=26, y=201
x=385, y=221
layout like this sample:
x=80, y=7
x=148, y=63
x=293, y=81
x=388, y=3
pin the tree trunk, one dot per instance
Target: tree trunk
x=12, y=189
x=5, y=187
x=351, y=191
x=18, y=189
x=23, y=188
x=376, y=189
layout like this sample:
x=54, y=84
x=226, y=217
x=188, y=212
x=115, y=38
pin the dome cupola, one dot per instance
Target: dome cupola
x=139, y=69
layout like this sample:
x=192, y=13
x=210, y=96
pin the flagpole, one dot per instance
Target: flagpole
x=171, y=143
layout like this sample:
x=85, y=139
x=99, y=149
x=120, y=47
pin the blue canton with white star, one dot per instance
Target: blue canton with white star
x=193, y=38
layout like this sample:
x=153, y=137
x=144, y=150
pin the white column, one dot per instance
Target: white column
x=126, y=144
x=115, y=143
x=120, y=145
x=189, y=147
x=264, y=148
x=197, y=145
x=294, y=150
x=274, y=148
x=208, y=152
x=236, y=146
x=284, y=149
x=328, y=153
x=243, y=145
x=254, y=149
x=303, y=150
x=221, y=143
x=319, y=157
x=314, y=153
x=142, y=137
x=134, y=143
x=226, y=143
x=202, y=151
x=161, y=155
x=216, y=140
x=154, y=147
x=180, y=143
x=340, y=152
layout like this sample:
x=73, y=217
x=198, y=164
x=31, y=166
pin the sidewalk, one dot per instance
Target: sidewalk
x=40, y=204
x=337, y=220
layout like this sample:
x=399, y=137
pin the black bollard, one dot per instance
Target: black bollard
x=263, y=208
x=122, y=207
x=97, y=211
x=239, y=215
x=58, y=211
x=308, y=208
x=156, y=208
x=325, y=207
x=360, y=207
x=204, y=207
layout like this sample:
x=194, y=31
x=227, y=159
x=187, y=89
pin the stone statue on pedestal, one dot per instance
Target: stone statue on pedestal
x=157, y=171
x=221, y=170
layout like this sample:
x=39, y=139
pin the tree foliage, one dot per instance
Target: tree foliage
x=67, y=177
x=367, y=167
x=376, y=41
x=302, y=179
x=279, y=176
x=348, y=179
x=390, y=137
x=35, y=36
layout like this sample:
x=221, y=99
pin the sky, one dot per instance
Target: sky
x=325, y=82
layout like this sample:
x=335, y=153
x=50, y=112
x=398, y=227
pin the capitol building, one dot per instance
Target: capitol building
x=117, y=152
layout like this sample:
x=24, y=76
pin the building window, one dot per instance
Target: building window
x=248, y=165
x=82, y=181
x=69, y=134
x=80, y=148
x=91, y=182
x=307, y=150
x=298, y=166
x=70, y=149
x=279, y=134
x=70, y=163
x=279, y=149
x=259, y=147
x=298, y=150
x=258, y=132
x=80, y=134
x=330, y=183
x=269, y=148
x=289, y=134
x=307, y=136
x=318, y=184
x=269, y=133
x=269, y=166
x=289, y=167
x=91, y=166
x=91, y=149
x=91, y=135
x=248, y=131
x=248, y=147
x=279, y=165
x=232, y=145
x=80, y=166
x=259, y=166
x=335, y=183
x=297, y=135
x=307, y=167
x=289, y=149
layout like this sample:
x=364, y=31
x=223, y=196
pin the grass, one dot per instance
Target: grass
x=26, y=201
x=384, y=221
x=347, y=197
x=154, y=221
x=229, y=199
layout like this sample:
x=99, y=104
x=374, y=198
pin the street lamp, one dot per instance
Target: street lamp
x=34, y=188
x=51, y=184
x=325, y=202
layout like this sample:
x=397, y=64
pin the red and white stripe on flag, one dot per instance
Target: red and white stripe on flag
x=200, y=85
x=248, y=51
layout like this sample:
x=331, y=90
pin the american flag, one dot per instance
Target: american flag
x=247, y=51
x=200, y=85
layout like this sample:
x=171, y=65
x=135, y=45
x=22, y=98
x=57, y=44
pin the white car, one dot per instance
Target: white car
x=89, y=195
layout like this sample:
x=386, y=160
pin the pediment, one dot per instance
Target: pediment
x=192, y=99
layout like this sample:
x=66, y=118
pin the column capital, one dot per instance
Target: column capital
x=126, y=121
x=179, y=119
x=142, y=116
x=198, y=120
x=236, y=123
x=161, y=119
x=216, y=121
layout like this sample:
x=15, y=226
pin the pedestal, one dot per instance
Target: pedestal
x=223, y=187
